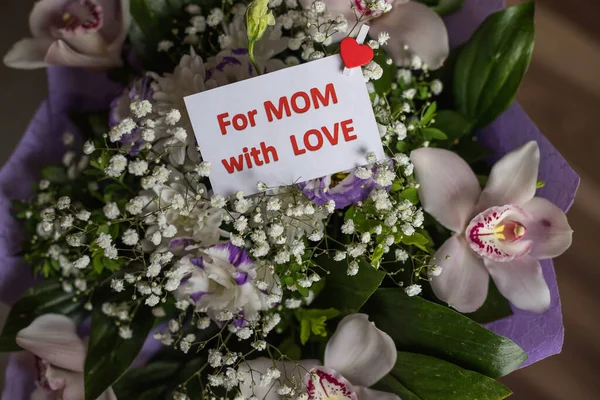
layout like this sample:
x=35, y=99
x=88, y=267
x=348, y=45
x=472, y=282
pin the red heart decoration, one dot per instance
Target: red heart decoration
x=354, y=54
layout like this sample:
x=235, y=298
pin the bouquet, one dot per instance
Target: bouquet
x=287, y=199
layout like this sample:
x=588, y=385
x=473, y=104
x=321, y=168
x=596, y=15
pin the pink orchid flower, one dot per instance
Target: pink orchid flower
x=357, y=356
x=410, y=25
x=57, y=355
x=75, y=33
x=501, y=231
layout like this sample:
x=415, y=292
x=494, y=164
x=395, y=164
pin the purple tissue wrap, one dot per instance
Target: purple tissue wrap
x=540, y=335
x=77, y=90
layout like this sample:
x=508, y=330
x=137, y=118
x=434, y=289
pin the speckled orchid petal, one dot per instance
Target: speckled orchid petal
x=53, y=338
x=548, y=229
x=325, y=384
x=371, y=394
x=500, y=233
x=463, y=283
x=448, y=188
x=359, y=351
x=292, y=373
x=513, y=178
x=521, y=281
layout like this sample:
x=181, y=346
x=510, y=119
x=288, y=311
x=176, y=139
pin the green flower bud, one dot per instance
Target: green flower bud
x=258, y=18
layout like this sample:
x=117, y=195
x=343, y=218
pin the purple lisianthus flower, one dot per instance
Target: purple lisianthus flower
x=343, y=188
x=224, y=282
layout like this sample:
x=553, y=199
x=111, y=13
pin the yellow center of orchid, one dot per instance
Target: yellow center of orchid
x=509, y=231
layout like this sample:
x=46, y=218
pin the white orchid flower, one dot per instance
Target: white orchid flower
x=413, y=27
x=501, y=231
x=357, y=356
x=75, y=33
x=58, y=355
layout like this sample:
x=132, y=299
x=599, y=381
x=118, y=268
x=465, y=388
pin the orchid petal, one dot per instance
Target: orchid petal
x=417, y=26
x=548, y=230
x=521, y=281
x=371, y=394
x=463, y=283
x=91, y=44
x=28, y=54
x=359, y=351
x=42, y=394
x=324, y=384
x=53, y=338
x=500, y=233
x=513, y=178
x=70, y=383
x=60, y=53
x=43, y=15
x=448, y=188
x=291, y=372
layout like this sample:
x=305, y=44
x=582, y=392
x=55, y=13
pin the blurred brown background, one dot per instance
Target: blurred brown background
x=561, y=93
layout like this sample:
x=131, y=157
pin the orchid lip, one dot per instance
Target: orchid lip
x=323, y=383
x=494, y=233
x=81, y=16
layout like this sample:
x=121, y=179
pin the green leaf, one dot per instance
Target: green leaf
x=453, y=124
x=491, y=65
x=289, y=348
x=55, y=174
x=433, y=379
x=433, y=134
x=447, y=7
x=411, y=195
x=313, y=322
x=392, y=385
x=347, y=293
x=416, y=239
x=540, y=184
x=148, y=382
x=47, y=297
x=495, y=307
x=440, y=332
x=91, y=125
x=109, y=356
x=383, y=84
x=429, y=114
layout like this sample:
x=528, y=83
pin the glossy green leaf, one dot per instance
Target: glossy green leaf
x=411, y=195
x=453, y=124
x=109, y=356
x=347, y=293
x=433, y=134
x=148, y=382
x=490, y=66
x=429, y=378
x=440, y=332
x=48, y=297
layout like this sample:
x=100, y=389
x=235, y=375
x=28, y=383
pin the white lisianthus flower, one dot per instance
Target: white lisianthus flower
x=222, y=281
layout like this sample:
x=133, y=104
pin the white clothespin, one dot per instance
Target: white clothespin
x=360, y=38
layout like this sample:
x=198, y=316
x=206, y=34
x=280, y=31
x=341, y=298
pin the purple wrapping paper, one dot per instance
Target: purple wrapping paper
x=76, y=90
x=540, y=335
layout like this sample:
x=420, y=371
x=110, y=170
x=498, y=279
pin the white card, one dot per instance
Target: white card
x=285, y=127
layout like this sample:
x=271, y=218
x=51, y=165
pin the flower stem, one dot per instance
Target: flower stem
x=251, y=56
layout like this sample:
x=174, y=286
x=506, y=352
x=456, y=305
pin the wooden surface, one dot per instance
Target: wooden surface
x=561, y=93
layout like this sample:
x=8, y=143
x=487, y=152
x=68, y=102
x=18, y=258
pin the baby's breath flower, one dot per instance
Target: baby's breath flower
x=152, y=300
x=111, y=210
x=413, y=290
x=82, y=262
x=125, y=332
